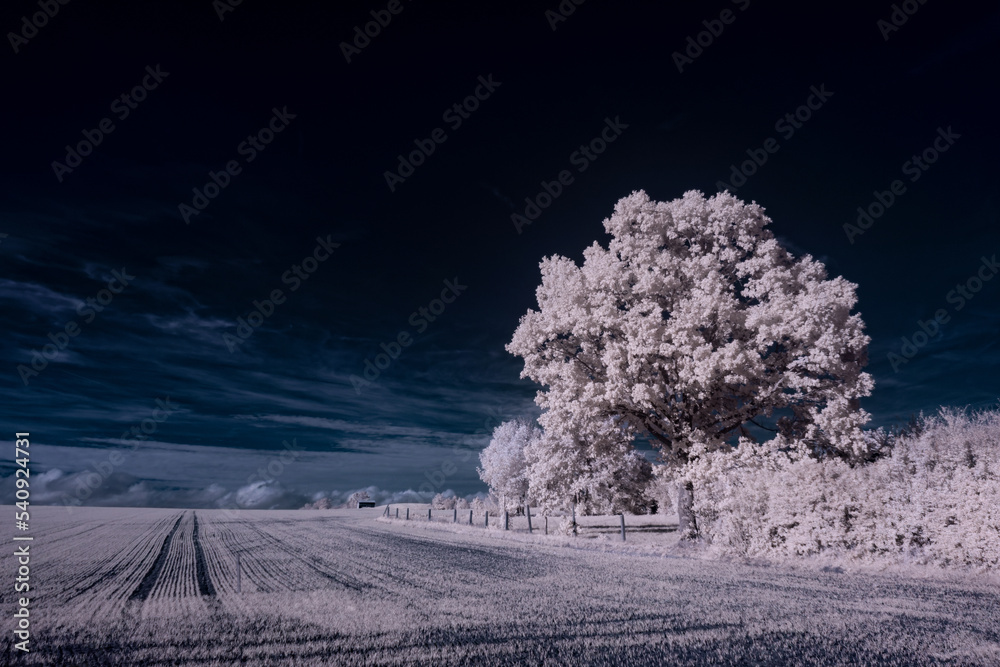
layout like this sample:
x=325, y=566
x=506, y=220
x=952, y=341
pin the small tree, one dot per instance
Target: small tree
x=662, y=490
x=597, y=470
x=443, y=502
x=323, y=503
x=692, y=327
x=503, y=464
x=487, y=504
x=357, y=497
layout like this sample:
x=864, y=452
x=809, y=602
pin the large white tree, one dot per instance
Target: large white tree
x=694, y=326
x=503, y=464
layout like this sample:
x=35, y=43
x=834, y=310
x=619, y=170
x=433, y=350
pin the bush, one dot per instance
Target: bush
x=357, y=497
x=487, y=504
x=443, y=502
x=662, y=490
x=931, y=497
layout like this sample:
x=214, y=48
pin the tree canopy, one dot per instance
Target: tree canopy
x=693, y=327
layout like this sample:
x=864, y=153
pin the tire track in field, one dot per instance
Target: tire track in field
x=97, y=571
x=386, y=578
x=135, y=551
x=483, y=560
x=376, y=555
x=350, y=554
x=344, y=580
x=204, y=581
x=146, y=585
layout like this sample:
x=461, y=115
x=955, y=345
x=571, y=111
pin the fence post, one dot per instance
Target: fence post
x=574, y=517
x=487, y=524
x=407, y=513
x=428, y=513
x=386, y=512
x=455, y=518
x=546, y=525
x=397, y=512
x=470, y=517
x=239, y=577
x=527, y=510
x=622, y=515
x=506, y=520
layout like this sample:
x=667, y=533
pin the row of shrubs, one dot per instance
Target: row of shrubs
x=932, y=496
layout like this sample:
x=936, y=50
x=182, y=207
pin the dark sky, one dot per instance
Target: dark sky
x=319, y=189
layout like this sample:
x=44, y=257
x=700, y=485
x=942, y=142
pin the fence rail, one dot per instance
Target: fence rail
x=522, y=522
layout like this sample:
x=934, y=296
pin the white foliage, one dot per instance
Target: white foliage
x=323, y=503
x=449, y=501
x=663, y=490
x=443, y=502
x=693, y=321
x=480, y=504
x=934, y=500
x=356, y=497
x=596, y=468
x=503, y=463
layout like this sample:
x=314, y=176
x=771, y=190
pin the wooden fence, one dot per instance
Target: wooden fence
x=483, y=519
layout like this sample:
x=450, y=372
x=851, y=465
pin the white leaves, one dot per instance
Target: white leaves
x=695, y=297
x=598, y=469
x=356, y=497
x=933, y=500
x=503, y=462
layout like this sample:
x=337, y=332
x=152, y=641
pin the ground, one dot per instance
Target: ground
x=344, y=587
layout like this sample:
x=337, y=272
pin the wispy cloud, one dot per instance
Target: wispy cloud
x=35, y=297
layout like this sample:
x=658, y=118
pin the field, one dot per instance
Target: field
x=342, y=587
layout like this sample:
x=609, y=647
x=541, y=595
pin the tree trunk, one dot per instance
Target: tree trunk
x=688, y=527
